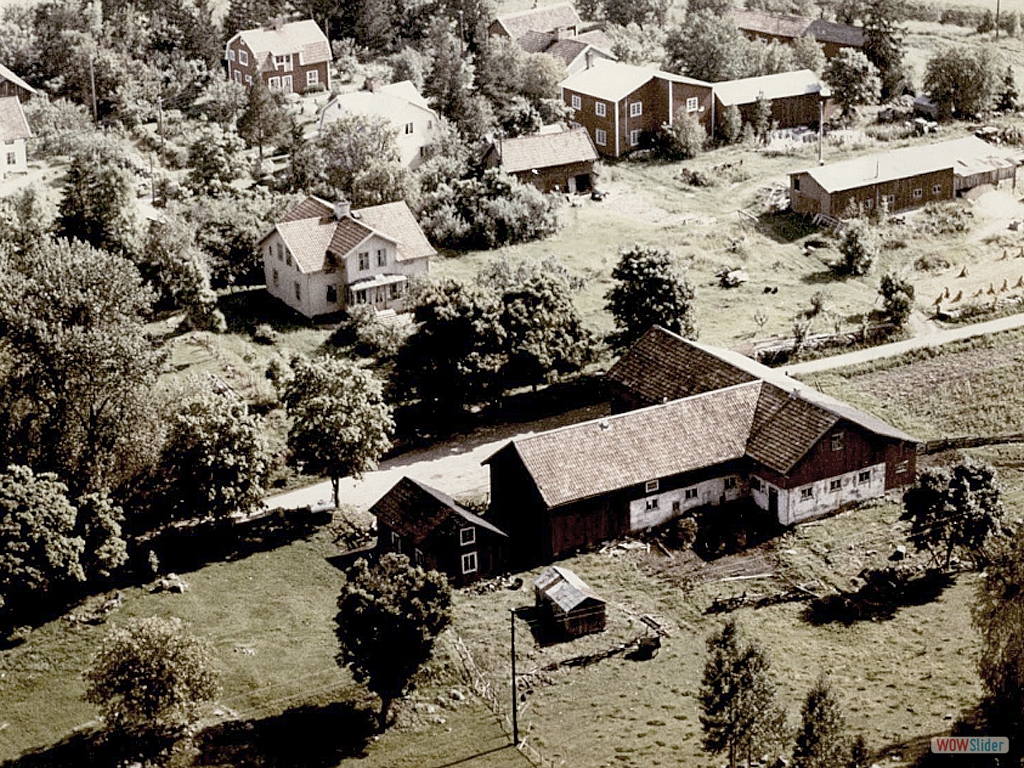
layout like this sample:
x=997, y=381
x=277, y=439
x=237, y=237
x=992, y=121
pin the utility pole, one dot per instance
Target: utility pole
x=821, y=130
x=92, y=81
x=997, y=19
x=515, y=694
x=160, y=128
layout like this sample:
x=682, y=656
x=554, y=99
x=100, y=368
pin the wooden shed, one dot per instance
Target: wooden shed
x=569, y=606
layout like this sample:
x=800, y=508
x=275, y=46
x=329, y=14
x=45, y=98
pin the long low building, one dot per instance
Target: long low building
x=797, y=98
x=901, y=179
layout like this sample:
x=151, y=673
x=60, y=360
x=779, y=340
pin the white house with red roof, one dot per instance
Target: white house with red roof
x=323, y=257
x=14, y=133
x=289, y=56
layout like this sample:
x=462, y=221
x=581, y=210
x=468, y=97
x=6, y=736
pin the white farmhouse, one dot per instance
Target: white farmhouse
x=14, y=132
x=401, y=105
x=321, y=258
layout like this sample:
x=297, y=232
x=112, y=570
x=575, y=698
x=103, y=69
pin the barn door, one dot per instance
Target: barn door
x=773, y=502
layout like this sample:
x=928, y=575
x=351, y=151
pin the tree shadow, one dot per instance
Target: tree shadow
x=94, y=748
x=303, y=737
x=732, y=527
x=245, y=309
x=879, y=599
x=785, y=226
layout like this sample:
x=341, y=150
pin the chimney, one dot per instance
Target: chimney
x=342, y=208
x=370, y=85
x=565, y=33
x=589, y=57
x=277, y=23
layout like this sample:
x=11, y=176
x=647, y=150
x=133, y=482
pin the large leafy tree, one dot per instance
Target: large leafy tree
x=962, y=81
x=707, y=46
x=388, y=618
x=853, y=80
x=76, y=365
x=151, y=677
x=955, y=510
x=884, y=43
x=216, y=459
x=739, y=714
x=39, y=549
x=649, y=290
x=357, y=149
x=454, y=357
x=822, y=741
x=215, y=160
x=99, y=198
x=263, y=121
x=340, y=423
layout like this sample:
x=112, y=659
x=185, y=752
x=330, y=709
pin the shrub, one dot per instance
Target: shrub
x=264, y=334
x=859, y=248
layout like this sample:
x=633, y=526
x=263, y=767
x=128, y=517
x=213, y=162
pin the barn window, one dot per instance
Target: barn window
x=937, y=189
x=690, y=493
x=332, y=294
x=806, y=493
x=918, y=193
x=417, y=557
x=634, y=138
x=837, y=441
x=467, y=535
x=864, y=477
x=469, y=562
x=730, y=482
x=636, y=109
x=676, y=506
x=890, y=201
x=652, y=504
x=577, y=102
x=651, y=486
x=835, y=485
x=600, y=108
x=692, y=104
x=796, y=183
x=600, y=137
x=902, y=467
x=298, y=291
x=396, y=541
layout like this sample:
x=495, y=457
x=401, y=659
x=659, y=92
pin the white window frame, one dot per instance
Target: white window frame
x=248, y=79
x=692, y=104
x=918, y=193
x=806, y=494
x=636, y=109
x=634, y=138
x=890, y=200
x=835, y=485
x=464, y=539
x=313, y=77
x=601, y=137
x=576, y=101
x=864, y=477
x=600, y=109
x=238, y=77
x=470, y=563
x=690, y=493
x=836, y=441
x=287, y=83
x=243, y=58
x=231, y=54
x=274, y=83
x=364, y=261
x=651, y=486
x=936, y=189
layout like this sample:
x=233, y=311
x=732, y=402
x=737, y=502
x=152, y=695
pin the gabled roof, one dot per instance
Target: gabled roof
x=614, y=81
x=396, y=102
x=965, y=156
x=833, y=32
x=540, y=19
x=788, y=26
x=564, y=588
x=546, y=150
x=6, y=74
x=302, y=38
x=596, y=38
x=780, y=86
x=414, y=509
x=13, y=125
x=311, y=231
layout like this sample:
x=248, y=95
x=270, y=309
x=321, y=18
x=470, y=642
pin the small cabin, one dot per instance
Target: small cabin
x=567, y=604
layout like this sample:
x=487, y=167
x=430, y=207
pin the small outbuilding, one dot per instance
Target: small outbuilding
x=567, y=604
x=553, y=161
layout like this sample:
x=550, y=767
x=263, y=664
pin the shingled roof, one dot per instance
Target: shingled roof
x=564, y=588
x=304, y=39
x=778, y=86
x=6, y=74
x=721, y=406
x=414, y=509
x=539, y=19
x=791, y=27
x=546, y=150
x=13, y=125
x=311, y=231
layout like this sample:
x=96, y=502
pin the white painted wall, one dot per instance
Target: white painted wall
x=17, y=148
x=824, y=498
x=661, y=505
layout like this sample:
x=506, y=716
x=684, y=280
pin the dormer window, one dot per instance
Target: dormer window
x=467, y=535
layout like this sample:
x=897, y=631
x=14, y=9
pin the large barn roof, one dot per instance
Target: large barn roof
x=539, y=19
x=785, y=25
x=781, y=86
x=546, y=150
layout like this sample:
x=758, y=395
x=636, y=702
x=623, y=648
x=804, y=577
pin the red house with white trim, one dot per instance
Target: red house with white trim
x=289, y=56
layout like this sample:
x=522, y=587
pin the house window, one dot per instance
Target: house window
x=577, y=102
x=332, y=294
x=890, y=201
x=690, y=493
x=238, y=76
x=298, y=291
x=730, y=482
x=364, y=260
x=248, y=79
x=634, y=138
x=360, y=297
x=600, y=108
x=313, y=77
x=902, y=467
x=796, y=184
x=636, y=109
x=651, y=504
x=937, y=189
x=243, y=58
x=280, y=252
x=868, y=203
x=835, y=485
x=10, y=158
x=692, y=104
x=382, y=257
x=469, y=562
x=651, y=486
x=275, y=277
x=806, y=493
x=409, y=127
x=288, y=258
x=676, y=506
x=417, y=557
x=231, y=54
x=864, y=477
x=274, y=83
x=600, y=137
x=396, y=541
x=283, y=62
x=918, y=193
x=467, y=535
x=396, y=290
x=837, y=441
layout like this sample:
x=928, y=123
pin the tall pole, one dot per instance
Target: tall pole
x=997, y=19
x=515, y=694
x=160, y=126
x=821, y=130
x=92, y=81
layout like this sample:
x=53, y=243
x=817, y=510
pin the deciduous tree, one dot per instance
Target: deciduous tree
x=897, y=298
x=389, y=616
x=340, y=424
x=962, y=81
x=821, y=741
x=853, y=80
x=649, y=290
x=708, y=47
x=859, y=248
x=263, y=121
